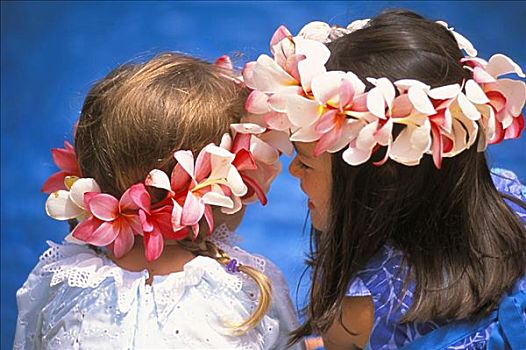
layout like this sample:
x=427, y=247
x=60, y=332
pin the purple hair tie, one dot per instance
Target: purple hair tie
x=232, y=266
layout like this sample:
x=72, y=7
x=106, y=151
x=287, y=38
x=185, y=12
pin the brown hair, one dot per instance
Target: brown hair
x=135, y=118
x=463, y=245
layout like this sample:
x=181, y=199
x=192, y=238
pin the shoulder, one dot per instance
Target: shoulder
x=384, y=272
x=508, y=182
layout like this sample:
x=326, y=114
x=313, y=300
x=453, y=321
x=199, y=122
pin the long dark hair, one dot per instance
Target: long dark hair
x=463, y=245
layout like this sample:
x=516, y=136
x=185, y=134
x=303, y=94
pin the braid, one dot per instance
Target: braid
x=206, y=248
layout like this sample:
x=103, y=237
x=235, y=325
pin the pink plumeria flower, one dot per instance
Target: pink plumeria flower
x=385, y=110
x=156, y=224
x=269, y=109
x=506, y=96
x=65, y=158
x=372, y=127
x=194, y=186
x=296, y=61
x=335, y=96
x=256, y=161
x=113, y=223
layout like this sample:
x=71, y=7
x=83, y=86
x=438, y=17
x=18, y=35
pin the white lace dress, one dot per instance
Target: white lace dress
x=76, y=298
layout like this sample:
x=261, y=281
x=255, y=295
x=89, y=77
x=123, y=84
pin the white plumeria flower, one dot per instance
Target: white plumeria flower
x=66, y=205
x=358, y=24
x=322, y=32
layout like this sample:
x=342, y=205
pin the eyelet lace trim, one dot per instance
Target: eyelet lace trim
x=82, y=267
x=227, y=241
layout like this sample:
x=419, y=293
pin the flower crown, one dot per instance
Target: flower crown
x=293, y=92
x=237, y=171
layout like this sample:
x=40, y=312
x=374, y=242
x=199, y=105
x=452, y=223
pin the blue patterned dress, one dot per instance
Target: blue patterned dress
x=383, y=279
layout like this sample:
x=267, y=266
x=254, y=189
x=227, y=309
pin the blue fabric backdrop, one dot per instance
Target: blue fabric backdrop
x=53, y=51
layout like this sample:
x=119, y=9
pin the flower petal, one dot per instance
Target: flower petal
x=263, y=152
x=357, y=83
x=279, y=140
x=281, y=33
x=257, y=102
x=366, y=139
x=515, y=93
x=236, y=183
x=326, y=87
x=401, y=107
x=193, y=210
x=356, y=156
x=474, y=92
x=278, y=101
x=305, y=134
x=420, y=100
x=383, y=135
x=123, y=242
x=481, y=76
x=80, y=187
x=256, y=188
x=237, y=206
x=217, y=199
x=224, y=62
x=445, y=92
x=515, y=129
x=85, y=229
x=411, y=144
x=317, y=30
x=350, y=132
x=104, y=207
x=54, y=183
x=66, y=160
x=177, y=212
x=327, y=141
x=226, y=141
x=153, y=245
x=105, y=234
x=316, y=55
x=186, y=161
x=59, y=206
x=146, y=223
x=302, y=111
x=277, y=121
x=247, y=128
x=158, y=179
x=266, y=75
x=467, y=107
x=203, y=165
x=500, y=64
x=209, y=217
x=326, y=122
x=376, y=102
x=135, y=197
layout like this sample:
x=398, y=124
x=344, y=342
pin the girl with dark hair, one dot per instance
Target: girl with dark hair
x=415, y=243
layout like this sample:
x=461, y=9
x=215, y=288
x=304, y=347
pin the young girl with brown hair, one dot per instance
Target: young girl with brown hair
x=154, y=186
x=414, y=245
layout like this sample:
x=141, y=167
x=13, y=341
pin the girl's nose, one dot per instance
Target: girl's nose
x=293, y=168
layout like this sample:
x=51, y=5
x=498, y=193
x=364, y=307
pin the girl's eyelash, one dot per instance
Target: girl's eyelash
x=303, y=165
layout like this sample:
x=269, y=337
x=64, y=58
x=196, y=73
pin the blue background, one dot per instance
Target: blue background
x=53, y=51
